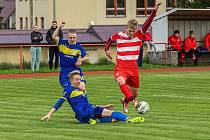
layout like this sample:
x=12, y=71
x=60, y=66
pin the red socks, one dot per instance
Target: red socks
x=127, y=92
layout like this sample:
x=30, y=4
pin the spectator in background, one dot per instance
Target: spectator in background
x=53, y=51
x=147, y=38
x=207, y=41
x=36, y=38
x=140, y=58
x=175, y=43
x=147, y=41
x=190, y=47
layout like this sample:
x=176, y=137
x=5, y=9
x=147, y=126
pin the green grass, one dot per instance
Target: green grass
x=180, y=109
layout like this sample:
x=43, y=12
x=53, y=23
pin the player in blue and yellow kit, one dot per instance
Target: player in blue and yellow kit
x=84, y=111
x=72, y=55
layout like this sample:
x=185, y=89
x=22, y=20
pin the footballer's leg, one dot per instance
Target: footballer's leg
x=116, y=116
x=121, y=77
x=133, y=83
x=135, y=92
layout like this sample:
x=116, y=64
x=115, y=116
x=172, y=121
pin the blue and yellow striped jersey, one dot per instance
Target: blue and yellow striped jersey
x=69, y=54
x=77, y=99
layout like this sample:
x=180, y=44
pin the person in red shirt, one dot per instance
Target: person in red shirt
x=207, y=41
x=128, y=48
x=190, y=47
x=148, y=41
x=175, y=42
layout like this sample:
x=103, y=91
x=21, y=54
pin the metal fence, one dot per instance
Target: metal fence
x=19, y=56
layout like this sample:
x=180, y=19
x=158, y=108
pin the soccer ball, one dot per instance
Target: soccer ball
x=142, y=107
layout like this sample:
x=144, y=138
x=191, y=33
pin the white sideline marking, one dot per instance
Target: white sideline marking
x=185, y=97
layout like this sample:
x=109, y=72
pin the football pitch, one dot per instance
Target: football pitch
x=180, y=109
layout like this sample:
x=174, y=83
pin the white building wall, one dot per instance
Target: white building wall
x=20, y=7
x=40, y=9
x=160, y=32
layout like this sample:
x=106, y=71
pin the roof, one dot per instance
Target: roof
x=105, y=31
x=184, y=14
x=8, y=9
x=23, y=36
x=91, y=35
x=96, y=34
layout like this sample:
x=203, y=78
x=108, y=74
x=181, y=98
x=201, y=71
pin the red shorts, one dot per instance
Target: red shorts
x=131, y=76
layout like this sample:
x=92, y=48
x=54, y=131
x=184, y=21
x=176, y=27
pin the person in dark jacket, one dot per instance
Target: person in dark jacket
x=53, y=51
x=36, y=38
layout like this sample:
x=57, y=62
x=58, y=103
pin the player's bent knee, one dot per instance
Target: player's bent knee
x=120, y=80
x=106, y=113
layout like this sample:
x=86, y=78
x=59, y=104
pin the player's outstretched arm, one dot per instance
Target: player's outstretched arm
x=55, y=34
x=54, y=109
x=149, y=20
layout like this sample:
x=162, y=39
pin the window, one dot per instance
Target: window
x=144, y=7
x=26, y=23
x=42, y=22
x=116, y=8
x=36, y=21
x=21, y=23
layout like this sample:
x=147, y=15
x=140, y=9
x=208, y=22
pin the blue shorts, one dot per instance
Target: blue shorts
x=93, y=113
x=64, y=79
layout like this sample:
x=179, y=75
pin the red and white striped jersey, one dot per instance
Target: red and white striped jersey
x=128, y=48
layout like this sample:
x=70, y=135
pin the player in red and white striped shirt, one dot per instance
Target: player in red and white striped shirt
x=128, y=49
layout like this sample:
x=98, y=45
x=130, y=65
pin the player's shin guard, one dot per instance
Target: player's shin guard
x=119, y=116
x=127, y=92
x=104, y=120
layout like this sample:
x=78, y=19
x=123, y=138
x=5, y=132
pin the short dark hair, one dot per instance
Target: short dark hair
x=73, y=73
x=176, y=32
x=191, y=32
x=54, y=21
x=72, y=31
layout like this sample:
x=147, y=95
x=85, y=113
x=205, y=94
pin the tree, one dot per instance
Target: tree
x=200, y=4
x=192, y=3
x=183, y=4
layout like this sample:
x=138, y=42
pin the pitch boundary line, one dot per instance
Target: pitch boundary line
x=34, y=75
